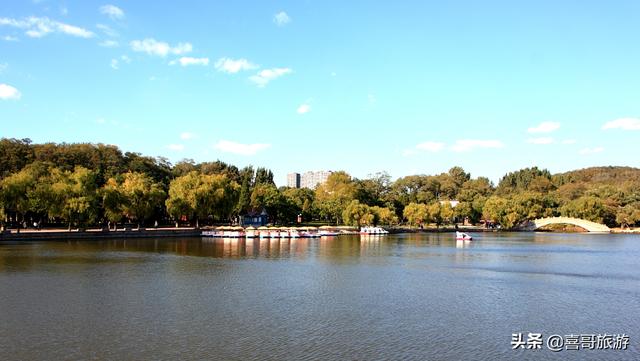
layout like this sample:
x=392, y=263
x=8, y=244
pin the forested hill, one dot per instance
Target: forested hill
x=615, y=176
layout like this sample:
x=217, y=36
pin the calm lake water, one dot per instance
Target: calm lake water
x=400, y=297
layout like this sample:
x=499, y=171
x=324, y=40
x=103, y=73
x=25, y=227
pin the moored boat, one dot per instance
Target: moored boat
x=460, y=236
x=373, y=230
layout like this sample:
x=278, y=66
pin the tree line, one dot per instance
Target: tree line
x=96, y=184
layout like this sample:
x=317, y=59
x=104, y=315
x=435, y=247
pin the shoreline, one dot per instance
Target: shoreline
x=99, y=234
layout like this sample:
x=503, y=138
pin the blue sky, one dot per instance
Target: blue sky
x=405, y=87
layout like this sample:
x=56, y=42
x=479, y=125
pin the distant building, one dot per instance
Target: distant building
x=308, y=179
x=254, y=219
x=453, y=203
x=312, y=179
x=293, y=180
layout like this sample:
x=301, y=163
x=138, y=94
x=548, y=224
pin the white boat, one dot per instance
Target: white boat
x=250, y=232
x=460, y=236
x=373, y=230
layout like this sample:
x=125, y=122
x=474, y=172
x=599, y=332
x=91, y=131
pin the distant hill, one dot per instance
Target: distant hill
x=598, y=175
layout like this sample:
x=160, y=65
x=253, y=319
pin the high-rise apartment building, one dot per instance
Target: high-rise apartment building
x=308, y=179
x=293, y=180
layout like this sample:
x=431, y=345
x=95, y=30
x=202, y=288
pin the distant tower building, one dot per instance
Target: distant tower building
x=293, y=180
x=312, y=179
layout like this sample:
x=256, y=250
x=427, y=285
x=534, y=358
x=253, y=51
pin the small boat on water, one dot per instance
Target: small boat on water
x=373, y=230
x=460, y=236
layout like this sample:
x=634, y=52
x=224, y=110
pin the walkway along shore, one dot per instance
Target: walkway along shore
x=98, y=234
x=95, y=234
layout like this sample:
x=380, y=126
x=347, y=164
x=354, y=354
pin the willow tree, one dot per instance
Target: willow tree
x=141, y=196
x=334, y=195
x=416, y=213
x=358, y=214
x=197, y=196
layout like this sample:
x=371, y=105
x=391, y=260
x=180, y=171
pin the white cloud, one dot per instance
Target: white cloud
x=107, y=30
x=114, y=64
x=303, y=109
x=281, y=18
x=187, y=135
x=7, y=92
x=176, y=147
x=228, y=65
x=112, y=11
x=265, y=76
x=125, y=58
x=543, y=140
x=9, y=38
x=186, y=61
x=569, y=141
x=430, y=146
x=544, y=127
x=37, y=27
x=109, y=44
x=159, y=48
x=588, y=151
x=464, y=145
x=239, y=148
x=623, y=123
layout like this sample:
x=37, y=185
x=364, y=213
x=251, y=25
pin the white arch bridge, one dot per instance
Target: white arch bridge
x=582, y=223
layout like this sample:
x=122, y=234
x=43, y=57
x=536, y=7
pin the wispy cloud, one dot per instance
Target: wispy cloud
x=176, y=147
x=304, y=108
x=265, y=76
x=281, y=19
x=112, y=11
x=228, y=65
x=9, y=38
x=186, y=61
x=187, y=135
x=544, y=127
x=115, y=63
x=3, y=67
x=37, y=27
x=107, y=30
x=109, y=44
x=465, y=145
x=542, y=140
x=623, y=123
x=239, y=148
x=429, y=146
x=588, y=151
x=569, y=141
x=159, y=48
x=7, y=92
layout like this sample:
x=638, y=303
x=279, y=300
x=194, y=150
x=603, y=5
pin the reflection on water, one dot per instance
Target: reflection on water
x=409, y=296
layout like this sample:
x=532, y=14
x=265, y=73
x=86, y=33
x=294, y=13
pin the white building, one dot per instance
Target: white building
x=308, y=179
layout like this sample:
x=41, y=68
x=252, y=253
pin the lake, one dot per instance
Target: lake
x=398, y=297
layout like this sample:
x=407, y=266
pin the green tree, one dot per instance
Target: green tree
x=586, y=207
x=358, y=214
x=334, y=195
x=628, y=215
x=384, y=215
x=416, y=214
x=143, y=195
x=199, y=196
